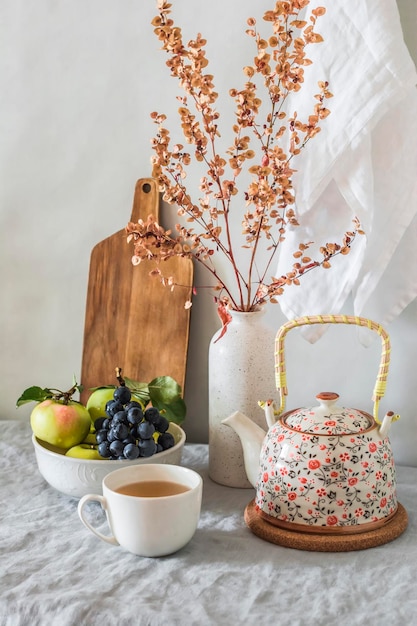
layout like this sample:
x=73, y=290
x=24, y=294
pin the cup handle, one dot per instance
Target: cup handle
x=96, y=498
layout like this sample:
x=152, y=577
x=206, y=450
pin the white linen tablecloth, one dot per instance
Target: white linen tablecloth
x=54, y=572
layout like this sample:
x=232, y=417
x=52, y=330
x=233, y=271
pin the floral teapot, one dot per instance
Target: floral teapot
x=325, y=469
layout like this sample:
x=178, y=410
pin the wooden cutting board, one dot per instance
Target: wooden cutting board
x=132, y=321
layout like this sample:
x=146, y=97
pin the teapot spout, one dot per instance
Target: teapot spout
x=386, y=423
x=251, y=437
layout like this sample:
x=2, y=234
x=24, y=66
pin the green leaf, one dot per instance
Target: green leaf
x=174, y=411
x=34, y=394
x=134, y=386
x=164, y=389
x=78, y=387
x=140, y=390
x=164, y=393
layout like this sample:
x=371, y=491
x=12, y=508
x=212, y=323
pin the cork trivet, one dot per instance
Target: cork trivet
x=326, y=543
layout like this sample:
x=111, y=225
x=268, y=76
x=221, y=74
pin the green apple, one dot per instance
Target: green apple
x=84, y=451
x=60, y=424
x=91, y=438
x=96, y=403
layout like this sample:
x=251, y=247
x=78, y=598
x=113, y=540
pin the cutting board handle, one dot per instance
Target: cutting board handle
x=145, y=200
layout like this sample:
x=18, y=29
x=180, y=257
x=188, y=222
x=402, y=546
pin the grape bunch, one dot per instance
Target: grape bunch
x=128, y=431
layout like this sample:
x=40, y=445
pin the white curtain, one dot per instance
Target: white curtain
x=363, y=163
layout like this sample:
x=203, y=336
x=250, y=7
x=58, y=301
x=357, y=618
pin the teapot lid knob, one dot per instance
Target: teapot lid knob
x=327, y=396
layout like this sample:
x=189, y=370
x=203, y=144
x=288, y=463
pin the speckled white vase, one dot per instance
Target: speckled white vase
x=241, y=372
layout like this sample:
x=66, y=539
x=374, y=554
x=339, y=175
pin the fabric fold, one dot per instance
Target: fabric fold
x=363, y=163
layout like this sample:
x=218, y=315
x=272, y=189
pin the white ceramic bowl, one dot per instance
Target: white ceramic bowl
x=77, y=477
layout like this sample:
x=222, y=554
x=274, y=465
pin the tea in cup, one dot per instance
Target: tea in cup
x=152, y=510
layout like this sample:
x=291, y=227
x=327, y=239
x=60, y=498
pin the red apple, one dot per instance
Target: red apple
x=60, y=424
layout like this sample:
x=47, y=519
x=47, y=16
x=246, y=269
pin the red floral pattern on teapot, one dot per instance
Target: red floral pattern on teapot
x=325, y=480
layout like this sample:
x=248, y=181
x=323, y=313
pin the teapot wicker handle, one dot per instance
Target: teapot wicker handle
x=280, y=371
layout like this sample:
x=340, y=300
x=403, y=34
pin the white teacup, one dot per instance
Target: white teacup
x=148, y=523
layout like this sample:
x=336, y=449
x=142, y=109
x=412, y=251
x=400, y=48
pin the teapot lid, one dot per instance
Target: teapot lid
x=328, y=419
